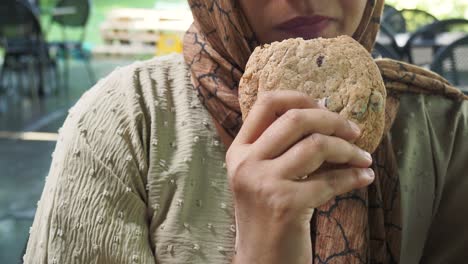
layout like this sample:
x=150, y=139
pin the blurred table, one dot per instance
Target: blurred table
x=419, y=49
x=439, y=40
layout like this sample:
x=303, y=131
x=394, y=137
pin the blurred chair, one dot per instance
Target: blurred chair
x=388, y=11
x=72, y=14
x=415, y=19
x=393, y=20
x=451, y=62
x=386, y=43
x=380, y=51
x=407, y=20
x=26, y=61
x=435, y=36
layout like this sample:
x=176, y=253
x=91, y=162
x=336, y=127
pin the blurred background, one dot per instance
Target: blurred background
x=52, y=51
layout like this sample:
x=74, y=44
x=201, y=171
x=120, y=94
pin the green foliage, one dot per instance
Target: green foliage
x=440, y=8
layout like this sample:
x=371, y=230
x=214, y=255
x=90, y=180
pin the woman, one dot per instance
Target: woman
x=139, y=174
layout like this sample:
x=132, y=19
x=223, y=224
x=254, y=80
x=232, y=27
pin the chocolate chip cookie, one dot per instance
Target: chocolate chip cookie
x=338, y=69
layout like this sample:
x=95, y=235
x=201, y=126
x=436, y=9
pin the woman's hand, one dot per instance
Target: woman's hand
x=286, y=136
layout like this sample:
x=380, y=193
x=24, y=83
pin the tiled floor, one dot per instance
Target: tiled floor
x=25, y=163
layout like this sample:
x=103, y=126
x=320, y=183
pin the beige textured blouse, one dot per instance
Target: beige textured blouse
x=138, y=176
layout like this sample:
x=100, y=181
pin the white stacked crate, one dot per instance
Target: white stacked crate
x=137, y=31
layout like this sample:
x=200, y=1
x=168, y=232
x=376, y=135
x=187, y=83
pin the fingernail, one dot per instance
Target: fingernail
x=355, y=127
x=323, y=103
x=366, y=155
x=369, y=173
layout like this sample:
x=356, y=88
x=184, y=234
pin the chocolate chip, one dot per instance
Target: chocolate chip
x=320, y=60
x=327, y=102
x=359, y=109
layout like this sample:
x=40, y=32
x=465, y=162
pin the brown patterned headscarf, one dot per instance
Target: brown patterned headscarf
x=363, y=226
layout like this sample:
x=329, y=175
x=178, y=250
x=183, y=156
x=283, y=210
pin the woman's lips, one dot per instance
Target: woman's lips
x=307, y=27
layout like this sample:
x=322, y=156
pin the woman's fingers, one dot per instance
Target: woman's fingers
x=296, y=124
x=268, y=107
x=325, y=185
x=310, y=153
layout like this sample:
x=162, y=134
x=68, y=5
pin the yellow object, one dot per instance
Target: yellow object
x=168, y=43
